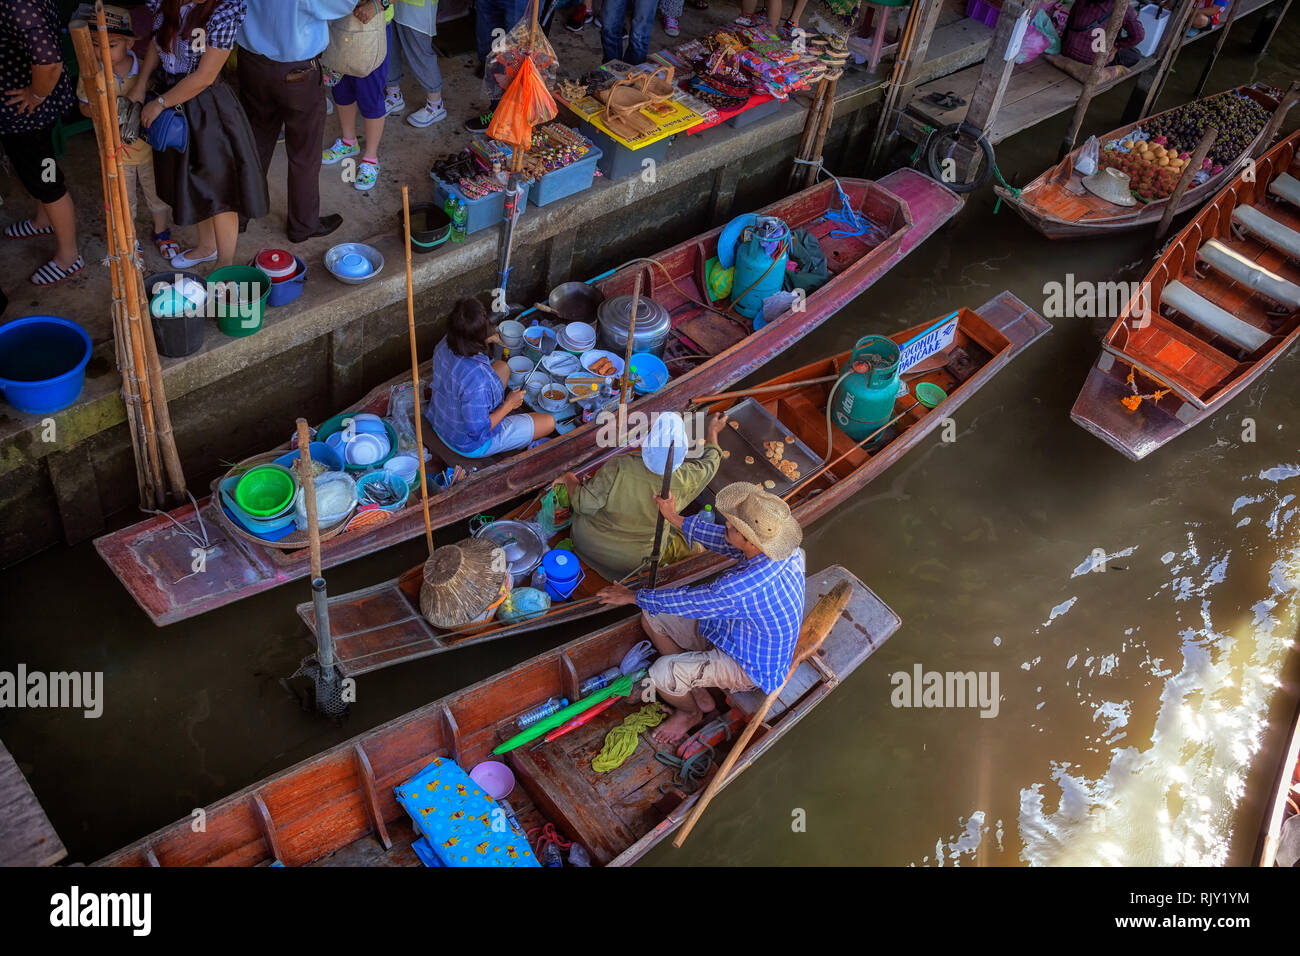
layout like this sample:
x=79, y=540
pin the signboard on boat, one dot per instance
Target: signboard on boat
x=930, y=342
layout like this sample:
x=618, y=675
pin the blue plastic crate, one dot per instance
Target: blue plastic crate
x=566, y=180
x=480, y=213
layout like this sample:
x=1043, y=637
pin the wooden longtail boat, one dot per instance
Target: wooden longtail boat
x=338, y=808
x=1057, y=205
x=1224, y=305
x=155, y=559
x=1284, y=807
x=381, y=625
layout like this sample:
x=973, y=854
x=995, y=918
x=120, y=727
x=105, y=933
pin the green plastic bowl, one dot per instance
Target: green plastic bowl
x=929, y=394
x=265, y=491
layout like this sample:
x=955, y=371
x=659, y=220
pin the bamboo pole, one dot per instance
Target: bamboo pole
x=135, y=281
x=91, y=68
x=665, y=489
x=912, y=50
x=415, y=368
x=810, y=124
x=320, y=598
x=1118, y=9
x=760, y=390
x=1185, y=181
x=823, y=124
x=1218, y=48
x=819, y=622
x=626, y=384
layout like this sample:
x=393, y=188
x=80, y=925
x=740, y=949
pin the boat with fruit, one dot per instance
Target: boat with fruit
x=1151, y=153
x=1220, y=306
x=340, y=807
x=383, y=625
x=197, y=557
x=1279, y=838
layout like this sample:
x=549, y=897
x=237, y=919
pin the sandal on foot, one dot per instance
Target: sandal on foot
x=26, y=229
x=168, y=247
x=52, y=272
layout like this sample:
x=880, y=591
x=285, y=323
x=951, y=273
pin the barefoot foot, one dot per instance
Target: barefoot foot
x=672, y=730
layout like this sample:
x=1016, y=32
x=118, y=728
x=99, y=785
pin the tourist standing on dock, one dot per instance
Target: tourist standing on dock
x=414, y=27
x=215, y=179
x=747, y=8
x=281, y=87
x=613, y=13
x=738, y=631
x=470, y=409
x=1087, y=17
x=364, y=95
x=36, y=93
x=492, y=15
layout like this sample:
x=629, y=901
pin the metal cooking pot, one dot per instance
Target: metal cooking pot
x=652, y=325
x=522, y=544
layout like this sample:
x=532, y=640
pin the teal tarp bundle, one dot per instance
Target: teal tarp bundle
x=813, y=271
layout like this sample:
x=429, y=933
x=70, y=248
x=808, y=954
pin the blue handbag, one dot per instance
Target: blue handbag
x=169, y=130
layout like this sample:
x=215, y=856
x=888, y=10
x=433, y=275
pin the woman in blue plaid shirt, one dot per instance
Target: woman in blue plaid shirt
x=738, y=631
x=470, y=408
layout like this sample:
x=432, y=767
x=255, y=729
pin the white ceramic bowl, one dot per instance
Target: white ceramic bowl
x=404, y=466
x=579, y=335
x=594, y=355
x=365, y=449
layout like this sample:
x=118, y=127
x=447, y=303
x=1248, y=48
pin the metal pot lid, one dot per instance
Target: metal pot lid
x=651, y=317
x=520, y=541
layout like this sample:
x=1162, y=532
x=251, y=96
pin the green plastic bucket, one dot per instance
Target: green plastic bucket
x=239, y=295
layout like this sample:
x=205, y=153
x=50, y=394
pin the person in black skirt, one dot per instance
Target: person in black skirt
x=218, y=177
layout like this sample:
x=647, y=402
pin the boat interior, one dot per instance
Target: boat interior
x=339, y=808
x=1226, y=294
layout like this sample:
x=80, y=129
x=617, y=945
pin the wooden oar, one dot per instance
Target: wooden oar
x=415, y=370
x=760, y=390
x=816, y=626
x=664, y=489
x=319, y=597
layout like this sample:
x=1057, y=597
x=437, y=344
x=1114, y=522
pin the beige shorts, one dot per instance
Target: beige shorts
x=701, y=665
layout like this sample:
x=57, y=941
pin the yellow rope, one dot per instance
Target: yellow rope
x=622, y=740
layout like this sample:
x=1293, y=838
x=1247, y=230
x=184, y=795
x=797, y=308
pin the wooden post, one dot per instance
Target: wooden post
x=912, y=49
x=1117, y=12
x=1275, y=121
x=1218, y=47
x=1267, y=27
x=991, y=86
x=1147, y=90
x=418, y=399
x=810, y=124
x=1185, y=180
x=823, y=124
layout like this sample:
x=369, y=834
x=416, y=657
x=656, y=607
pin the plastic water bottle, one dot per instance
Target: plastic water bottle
x=458, y=220
x=541, y=712
x=578, y=856
x=603, y=679
x=551, y=856
x=709, y=515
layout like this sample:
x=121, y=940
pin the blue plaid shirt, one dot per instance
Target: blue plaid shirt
x=465, y=392
x=752, y=612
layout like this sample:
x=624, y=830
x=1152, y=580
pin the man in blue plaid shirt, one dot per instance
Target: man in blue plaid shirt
x=736, y=632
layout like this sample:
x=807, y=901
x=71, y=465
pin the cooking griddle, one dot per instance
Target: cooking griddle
x=757, y=425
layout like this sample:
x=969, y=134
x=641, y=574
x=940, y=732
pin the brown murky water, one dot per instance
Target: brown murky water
x=1142, y=707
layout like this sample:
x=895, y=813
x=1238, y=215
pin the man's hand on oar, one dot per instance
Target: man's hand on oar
x=668, y=508
x=616, y=595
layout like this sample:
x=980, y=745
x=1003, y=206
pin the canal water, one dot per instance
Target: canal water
x=1139, y=617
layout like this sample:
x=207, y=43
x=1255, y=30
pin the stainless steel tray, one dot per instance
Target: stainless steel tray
x=756, y=425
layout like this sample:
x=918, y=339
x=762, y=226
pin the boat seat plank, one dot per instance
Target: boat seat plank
x=1269, y=230
x=1287, y=187
x=1210, y=316
x=711, y=332
x=1237, y=267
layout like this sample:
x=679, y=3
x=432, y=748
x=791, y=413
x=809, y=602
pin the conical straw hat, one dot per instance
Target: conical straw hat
x=762, y=517
x=461, y=581
x=1111, y=185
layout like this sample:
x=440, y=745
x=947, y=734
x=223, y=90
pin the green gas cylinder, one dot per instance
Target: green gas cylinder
x=864, y=398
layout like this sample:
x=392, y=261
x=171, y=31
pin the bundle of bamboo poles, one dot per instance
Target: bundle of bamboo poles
x=808, y=159
x=158, y=467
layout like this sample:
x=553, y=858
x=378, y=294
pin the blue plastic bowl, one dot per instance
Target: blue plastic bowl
x=651, y=370
x=42, y=363
x=319, y=452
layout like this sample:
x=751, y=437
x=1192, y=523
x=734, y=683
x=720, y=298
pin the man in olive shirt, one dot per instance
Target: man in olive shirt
x=614, y=512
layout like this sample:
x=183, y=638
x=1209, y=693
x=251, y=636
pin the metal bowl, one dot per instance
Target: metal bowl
x=369, y=253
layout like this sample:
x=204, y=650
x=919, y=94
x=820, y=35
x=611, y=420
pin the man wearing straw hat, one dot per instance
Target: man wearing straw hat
x=737, y=632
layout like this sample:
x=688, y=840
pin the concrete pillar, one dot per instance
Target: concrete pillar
x=559, y=259
x=725, y=181
x=346, y=353
x=72, y=475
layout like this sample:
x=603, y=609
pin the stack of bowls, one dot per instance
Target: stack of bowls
x=261, y=499
x=370, y=442
x=577, y=337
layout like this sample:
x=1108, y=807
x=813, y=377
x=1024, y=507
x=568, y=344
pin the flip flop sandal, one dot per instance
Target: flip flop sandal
x=50, y=273
x=945, y=101
x=25, y=230
x=167, y=247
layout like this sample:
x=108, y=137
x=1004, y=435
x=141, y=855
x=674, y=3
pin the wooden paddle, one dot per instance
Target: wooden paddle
x=415, y=370
x=664, y=489
x=816, y=626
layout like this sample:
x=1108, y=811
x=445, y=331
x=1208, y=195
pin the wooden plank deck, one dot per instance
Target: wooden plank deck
x=1037, y=91
x=27, y=837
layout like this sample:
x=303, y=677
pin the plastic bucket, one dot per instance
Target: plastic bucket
x=651, y=373
x=563, y=573
x=286, y=290
x=240, y=298
x=42, y=363
x=320, y=453
x=390, y=478
x=430, y=226
x=266, y=491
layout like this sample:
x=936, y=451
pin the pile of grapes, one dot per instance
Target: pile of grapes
x=1237, y=118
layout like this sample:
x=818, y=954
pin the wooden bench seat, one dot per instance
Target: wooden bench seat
x=1232, y=264
x=1268, y=230
x=1210, y=316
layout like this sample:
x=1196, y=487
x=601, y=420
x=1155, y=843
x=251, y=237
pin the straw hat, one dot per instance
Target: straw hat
x=762, y=517
x=461, y=581
x=1111, y=185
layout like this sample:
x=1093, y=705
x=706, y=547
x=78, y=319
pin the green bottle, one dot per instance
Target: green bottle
x=458, y=220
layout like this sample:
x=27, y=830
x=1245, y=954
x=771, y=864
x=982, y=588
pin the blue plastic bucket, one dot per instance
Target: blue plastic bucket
x=320, y=452
x=285, y=291
x=42, y=363
x=563, y=573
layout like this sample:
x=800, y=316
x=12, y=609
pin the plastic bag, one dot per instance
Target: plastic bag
x=401, y=413
x=330, y=486
x=1041, y=36
x=554, y=514
x=1086, y=164
x=522, y=604
x=525, y=41
x=526, y=103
